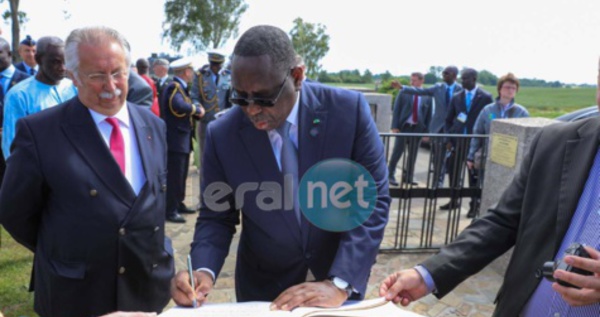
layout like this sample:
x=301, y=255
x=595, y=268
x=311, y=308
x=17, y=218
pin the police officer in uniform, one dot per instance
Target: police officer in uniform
x=211, y=88
x=178, y=111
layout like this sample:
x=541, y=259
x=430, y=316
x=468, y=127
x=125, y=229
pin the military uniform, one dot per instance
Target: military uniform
x=212, y=91
x=177, y=110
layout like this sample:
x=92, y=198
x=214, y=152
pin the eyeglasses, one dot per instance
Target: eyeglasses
x=263, y=102
x=99, y=78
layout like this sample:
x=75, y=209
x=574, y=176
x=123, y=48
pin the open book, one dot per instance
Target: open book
x=368, y=308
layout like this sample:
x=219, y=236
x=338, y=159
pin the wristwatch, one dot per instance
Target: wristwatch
x=341, y=284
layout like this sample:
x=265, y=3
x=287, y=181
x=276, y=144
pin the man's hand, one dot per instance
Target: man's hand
x=394, y=130
x=590, y=285
x=202, y=112
x=396, y=84
x=403, y=287
x=310, y=294
x=181, y=289
x=127, y=314
x=449, y=146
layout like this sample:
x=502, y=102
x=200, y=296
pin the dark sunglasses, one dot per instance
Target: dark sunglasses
x=263, y=102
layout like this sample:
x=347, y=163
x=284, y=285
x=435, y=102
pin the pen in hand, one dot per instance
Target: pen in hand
x=190, y=271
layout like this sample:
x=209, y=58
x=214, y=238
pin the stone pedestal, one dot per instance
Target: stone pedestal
x=381, y=110
x=497, y=176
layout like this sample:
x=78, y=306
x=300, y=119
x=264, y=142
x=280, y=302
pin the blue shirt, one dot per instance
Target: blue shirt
x=28, y=97
x=6, y=75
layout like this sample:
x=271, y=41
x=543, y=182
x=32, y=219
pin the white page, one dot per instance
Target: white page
x=375, y=307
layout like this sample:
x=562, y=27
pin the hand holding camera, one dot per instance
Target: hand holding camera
x=574, y=249
x=577, y=275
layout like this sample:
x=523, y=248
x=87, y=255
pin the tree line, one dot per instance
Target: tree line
x=434, y=75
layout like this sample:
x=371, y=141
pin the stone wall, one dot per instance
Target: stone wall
x=381, y=110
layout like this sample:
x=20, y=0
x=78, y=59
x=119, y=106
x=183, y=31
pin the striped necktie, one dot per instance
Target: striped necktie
x=289, y=167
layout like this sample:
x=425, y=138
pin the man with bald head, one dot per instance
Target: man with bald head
x=46, y=89
x=85, y=190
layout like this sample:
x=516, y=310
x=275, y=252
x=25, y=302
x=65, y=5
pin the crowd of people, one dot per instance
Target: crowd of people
x=449, y=108
x=94, y=168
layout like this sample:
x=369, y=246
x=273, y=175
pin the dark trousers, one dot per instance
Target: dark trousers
x=177, y=169
x=412, y=146
x=456, y=165
x=438, y=161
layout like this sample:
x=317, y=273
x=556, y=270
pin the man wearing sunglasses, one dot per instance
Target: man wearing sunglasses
x=280, y=250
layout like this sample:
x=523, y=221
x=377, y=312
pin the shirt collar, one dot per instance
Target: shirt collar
x=472, y=91
x=181, y=82
x=293, y=116
x=8, y=72
x=122, y=116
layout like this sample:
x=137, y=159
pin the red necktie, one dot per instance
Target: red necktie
x=415, y=110
x=117, y=145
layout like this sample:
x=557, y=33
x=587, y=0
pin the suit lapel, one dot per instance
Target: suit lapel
x=462, y=102
x=258, y=146
x=81, y=130
x=145, y=140
x=312, y=125
x=579, y=157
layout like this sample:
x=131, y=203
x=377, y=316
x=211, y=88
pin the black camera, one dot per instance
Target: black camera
x=575, y=249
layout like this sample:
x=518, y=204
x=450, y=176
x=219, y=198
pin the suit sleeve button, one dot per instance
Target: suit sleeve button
x=163, y=188
x=93, y=193
x=122, y=231
x=122, y=270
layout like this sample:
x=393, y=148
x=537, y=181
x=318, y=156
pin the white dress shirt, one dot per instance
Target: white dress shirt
x=134, y=171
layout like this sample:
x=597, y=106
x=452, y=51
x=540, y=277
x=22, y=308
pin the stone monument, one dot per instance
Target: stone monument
x=381, y=110
x=510, y=140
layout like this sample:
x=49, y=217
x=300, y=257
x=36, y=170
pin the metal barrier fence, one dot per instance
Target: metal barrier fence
x=428, y=209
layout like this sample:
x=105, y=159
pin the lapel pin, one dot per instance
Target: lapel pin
x=314, y=131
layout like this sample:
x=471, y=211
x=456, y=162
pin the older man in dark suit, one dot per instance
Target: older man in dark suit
x=85, y=191
x=412, y=114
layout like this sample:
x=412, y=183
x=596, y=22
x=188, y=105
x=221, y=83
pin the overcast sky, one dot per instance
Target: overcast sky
x=551, y=39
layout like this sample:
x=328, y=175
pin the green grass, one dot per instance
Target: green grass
x=552, y=102
x=15, y=270
x=540, y=102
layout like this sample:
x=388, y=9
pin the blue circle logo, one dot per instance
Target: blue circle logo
x=337, y=195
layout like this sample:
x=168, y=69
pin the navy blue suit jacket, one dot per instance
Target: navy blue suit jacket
x=274, y=252
x=98, y=247
x=481, y=99
x=21, y=66
x=177, y=109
